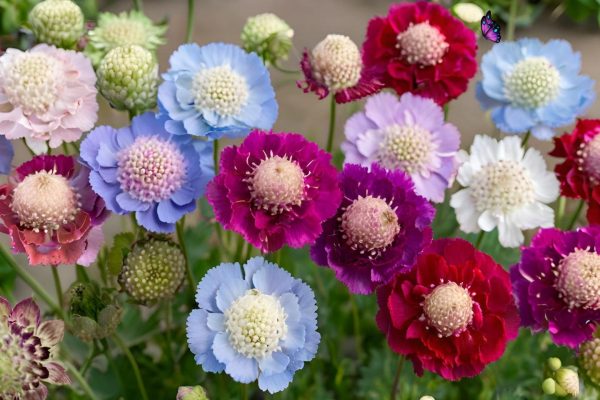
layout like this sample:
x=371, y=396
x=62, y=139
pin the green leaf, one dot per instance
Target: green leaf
x=122, y=243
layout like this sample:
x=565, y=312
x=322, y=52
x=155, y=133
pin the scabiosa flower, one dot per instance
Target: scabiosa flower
x=27, y=350
x=275, y=189
x=217, y=90
x=46, y=94
x=51, y=213
x=421, y=48
x=126, y=28
x=589, y=359
x=128, y=78
x=335, y=65
x=256, y=323
x=268, y=36
x=504, y=187
x=6, y=155
x=452, y=314
x=533, y=86
x=407, y=134
x=141, y=168
x=379, y=229
x=557, y=283
x=57, y=22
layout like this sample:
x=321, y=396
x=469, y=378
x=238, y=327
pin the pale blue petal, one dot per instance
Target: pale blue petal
x=274, y=363
x=214, y=278
x=230, y=291
x=240, y=368
x=272, y=280
x=128, y=203
x=216, y=322
x=275, y=383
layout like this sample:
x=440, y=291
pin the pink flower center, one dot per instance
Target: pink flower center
x=369, y=225
x=422, y=44
x=277, y=184
x=44, y=202
x=579, y=279
x=449, y=309
x=151, y=169
x=591, y=158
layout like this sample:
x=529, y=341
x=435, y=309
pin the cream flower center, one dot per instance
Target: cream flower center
x=120, y=32
x=422, y=44
x=449, y=309
x=405, y=147
x=502, y=187
x=589, y=357
x=221, y=90
x=256, y=323
x=369, y=225
x=534, y=82
x=277, y=184
x=151, y=169
x=590, y=157
x=578, y=279
x=32, y=81
x=44, y=202
x=337, y=62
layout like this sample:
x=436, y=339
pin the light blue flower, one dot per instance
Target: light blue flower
x=259, y=323
x=217, y=90
x=533, y=86
x=6, y=155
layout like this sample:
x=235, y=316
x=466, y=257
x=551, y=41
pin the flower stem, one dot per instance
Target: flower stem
x=134, y=365
x=512, y=18
x=244, y=391
x=331, y=124
x=58, y=286
x=396, y=384
x=82, y=382
x=190, y=21
x=479, y=239
x=526, y=139
x=560, y=211
x=137, y=5
x=575, y=216
x=356, y=324
x=216, y=155
x=180, y=228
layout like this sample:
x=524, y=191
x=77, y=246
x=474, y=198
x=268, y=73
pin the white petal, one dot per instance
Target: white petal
x=510, y=149
x=534, y=215
x=509, y=233
x=534, y=163
x=484, y=150
x=466, y=213
x=487, y=221
x=546, y=187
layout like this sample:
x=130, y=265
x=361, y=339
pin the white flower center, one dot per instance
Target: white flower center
x=590, y=157
x=44, y=201
x=369, y=225
x=220, y=89
x=533, y=82
x=469, y=12
x=337, y=62
x=589, y=356
x=120, y=32
x=449, y=309
x=422, y=44
x=502, y=187
x=32, y=81
x=277, y=184
x=256, y=323
x=578, y=279
x=405, y=147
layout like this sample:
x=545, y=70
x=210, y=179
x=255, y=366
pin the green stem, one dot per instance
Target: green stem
x=560, y=211
x=356, y=324
x=216, y=155
x=248, y=252
x=57, y=285
x=510, y=29
x=82, y=274
x=331, y=124
x=137, y=5
x=88, y=362
x=575, y=217
x=134, y=365
x=190, y=21
x=525, y=139
x=239, y=249
x=169, y=336
x=396, y=384
x=82, y=382
x=180, y=228
x=244, y=391
x=479, y=239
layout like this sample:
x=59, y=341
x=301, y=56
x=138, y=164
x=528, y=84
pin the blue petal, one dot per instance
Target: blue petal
x=275, y=383
x=6, y=155
x=289, y=302
x=241, y=369
x=106, y=156
x=199, y=336
x=214, y=278
x=274, y=363
x=168, y=101
x=272, y=280
x=295, y=338
x=542, y=132
x=485, y=101
x=216, y=322
x=195, y=125
x=128, y=203
x=175, y=127
x=186, y=57
x=230, y=291
x=252, y=265
x=90, y=146
x=170, y=212
x=107, y=191
x=149, y=219
x=147, y=124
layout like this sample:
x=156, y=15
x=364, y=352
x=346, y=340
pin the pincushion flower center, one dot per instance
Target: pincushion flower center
x=277, y=184
x=449, y=309
x=369, y=225
x=337, y=62
x=151, y=169
x=502, y=186
x=578, y=279
x=422, y=44
x=405, y=147
x=534, y=82
x=591, y=158
x=221, y=90
x=31, y=82
x=120, y=32
x=44, y=202
x=256, y=323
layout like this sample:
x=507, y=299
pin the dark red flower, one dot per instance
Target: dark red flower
x=452, y=314
x=421, y=48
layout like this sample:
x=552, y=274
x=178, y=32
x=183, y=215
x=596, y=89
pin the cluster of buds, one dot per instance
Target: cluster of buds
x=57, y=22
x=94, y=312
x=268, y=36
x=562, y=381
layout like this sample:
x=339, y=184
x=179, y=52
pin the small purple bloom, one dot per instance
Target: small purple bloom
x=557, y=284
x=407, y=134
x=379, y=230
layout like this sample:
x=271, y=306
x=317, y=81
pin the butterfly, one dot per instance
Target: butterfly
x=490, y=28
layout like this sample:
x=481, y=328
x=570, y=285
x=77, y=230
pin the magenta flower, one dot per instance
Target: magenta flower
x=557, y=284
x=379, y=230
x=275, y=189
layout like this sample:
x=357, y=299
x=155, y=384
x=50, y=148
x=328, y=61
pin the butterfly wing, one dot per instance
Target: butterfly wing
x=490, y=28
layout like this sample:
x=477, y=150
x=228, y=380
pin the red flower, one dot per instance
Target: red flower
x=421, y=48
x=452, y=314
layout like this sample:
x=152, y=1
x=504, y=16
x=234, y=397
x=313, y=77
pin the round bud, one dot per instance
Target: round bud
x=57, y=22
x=268, y=36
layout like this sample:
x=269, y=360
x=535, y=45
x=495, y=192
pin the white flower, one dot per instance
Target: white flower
x=504, y=187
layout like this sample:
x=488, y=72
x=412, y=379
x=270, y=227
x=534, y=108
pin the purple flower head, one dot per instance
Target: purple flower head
x=144, y=169
x=380, y=228
x=407, y=134
x=557, y=284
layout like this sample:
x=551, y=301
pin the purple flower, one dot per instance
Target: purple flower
x=407, y=134
x=380, y=228
x=557, y=284
x=6, y=155
x=142, y=168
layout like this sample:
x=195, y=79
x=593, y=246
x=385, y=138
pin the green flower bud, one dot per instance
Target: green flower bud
x=93, y=314
x=568, y=380
x=268, y=36
x=57, y=22
x=554, y=363
x=427, y=398
x=128, y=78
x=589, y=359
x=153, y=270
x=191, y=393
x=549, y=386
x=469, y=13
